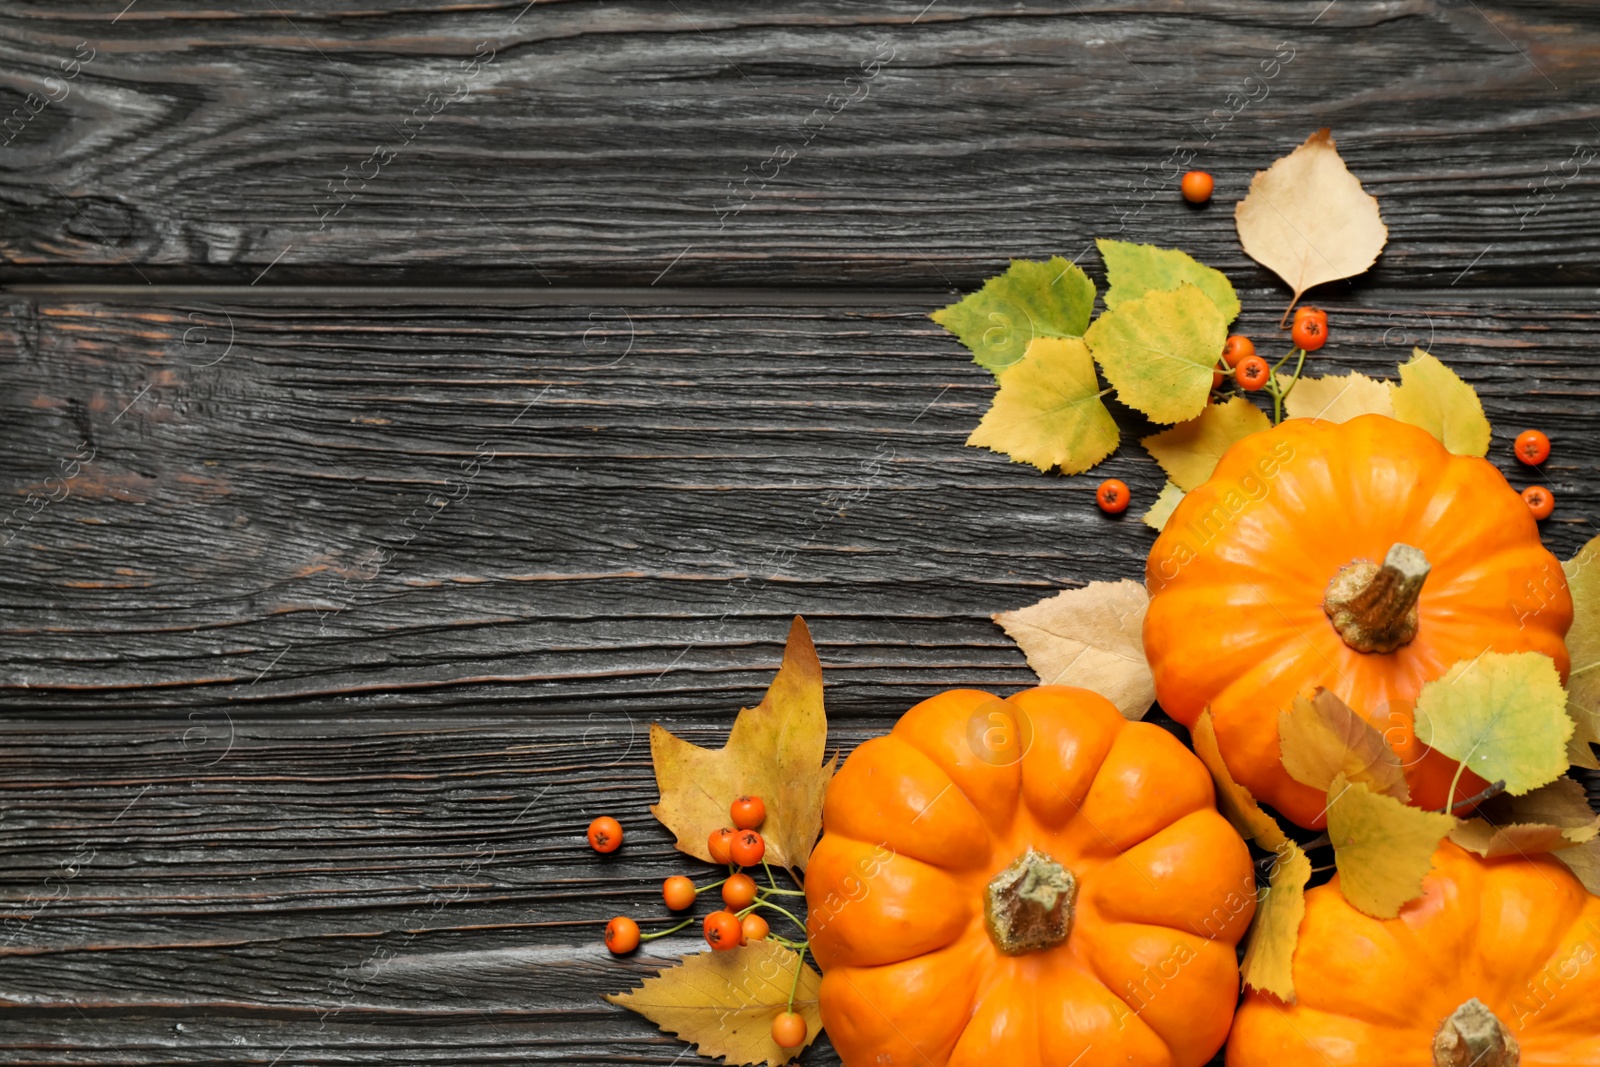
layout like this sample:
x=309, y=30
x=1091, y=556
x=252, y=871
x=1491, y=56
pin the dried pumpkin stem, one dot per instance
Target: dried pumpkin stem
x=1472, y=1036
x=1374, y=606
x=1028, y=906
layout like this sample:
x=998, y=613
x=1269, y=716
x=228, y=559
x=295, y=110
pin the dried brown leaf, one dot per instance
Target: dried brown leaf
x=1323, y=738
x=1092, y=638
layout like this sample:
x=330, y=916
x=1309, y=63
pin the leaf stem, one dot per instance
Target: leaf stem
x=1450, y=797
x=1494, y=789
x=664, y=933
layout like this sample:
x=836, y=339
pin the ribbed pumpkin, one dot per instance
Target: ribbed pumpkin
x=1498, y=963
x=1359, y=556
x=1027, y=882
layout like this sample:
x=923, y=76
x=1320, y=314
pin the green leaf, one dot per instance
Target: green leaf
x=1159, y=351
x=1166, y=503
x=1048, y=411
x=1031, y=299
x=1583, y=644
x=1269, y=956
x=1190, y=450
x=1502, y=714
x=1383, y=848
x=1432, y=396
x=1133, y=270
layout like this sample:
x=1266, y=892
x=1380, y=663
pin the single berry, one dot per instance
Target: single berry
x=1540, y=501
x=789, y=1030
x=1197, y=185
x=1310, y=329
x=739, y=891
x=622, y=935
x=747, y=848
x=754, y=927
x=678, y=892
x=722, y=930
x=1532, y=447
x=1237, y=347
x=1251, y=373
x=605, y=834
x=748, y=812
x=1113, y=496
x=717, y=844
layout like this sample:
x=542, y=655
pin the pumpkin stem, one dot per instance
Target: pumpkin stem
x=1028, y=906
x=1473, y=1037
x=1374, y=607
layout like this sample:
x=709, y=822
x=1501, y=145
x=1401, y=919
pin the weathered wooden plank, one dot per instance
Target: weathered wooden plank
x=820, y=143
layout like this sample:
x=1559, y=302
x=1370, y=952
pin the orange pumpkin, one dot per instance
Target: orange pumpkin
x=1495, y=955
x=1026, y=882
x=1361, y=557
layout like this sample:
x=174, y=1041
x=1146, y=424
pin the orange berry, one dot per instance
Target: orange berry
x=1532, y=447
x=1237, y=347
x=748, y=812
x=754, y=927
x=722, y=930
x=678, y=892
x=1251, y=373
x=1113, y=496
x=1197, y=185
x=789, y=1030
x=622, y=935
x=739, y=891
x=1540, y=501
x=1310, y=328
x=718, y=844
x=605, y=834
x=747, y=848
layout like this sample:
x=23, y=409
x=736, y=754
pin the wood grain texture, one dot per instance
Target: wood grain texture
x=813, y=144
x=237, y=830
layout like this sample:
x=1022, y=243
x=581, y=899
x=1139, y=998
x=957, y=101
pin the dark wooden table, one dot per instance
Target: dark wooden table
x=425, y=397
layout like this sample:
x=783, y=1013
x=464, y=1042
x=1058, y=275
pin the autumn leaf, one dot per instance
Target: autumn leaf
x=1307, y=219
x=1553, y=817
x=1584, y=861
x=1502, y=714
x=1190, y=450
x=1048, y=411
x=1166, y=503
x=1583, y=645
x=1322, y=738
x=1434, y=397
x=774, y=751
x=1133, y=270
x=1159, y=351
x=1031, y=299
x=1268, y=963
x=1383, y=848
x=723, y=1003
x=1336, y=397
x=1233, y=799
x=1092, y=638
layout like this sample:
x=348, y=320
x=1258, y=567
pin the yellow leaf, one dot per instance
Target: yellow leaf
x=1503, y=714
x=1092, y=638
x=1584, y=861
x=1556, y=816
x=1323, y=738
x=1307, y=219
x=1133, y=270
x=1233, y=799
x=1383, y=848
x=1583, y=644
x=724, y=1002
x=1432, y=396
x=1159, y=351
x=1336, y=397
x=1190, y=450
x=1269, y=955
x=774, y=751
x=1048, y=410
x=1166, y=503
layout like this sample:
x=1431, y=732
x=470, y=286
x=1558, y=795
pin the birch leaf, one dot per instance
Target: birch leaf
x=1322, y=738
x=775, y=751
x=1383, y=848
x=1307, y=219
x=1503, y=714
x=1434, y=397
x=1031, y=299
x=1584, y=861
x=723, y=1003
x=1133, y=270
x=1048, y=411
x=1159, y=351
x=1166, y=503
x=1269, y=955
x=1337, y=397
x=1190, y=450
x=1583, y=644
x=1551, y=818
x=1233, y=799
x=1092, y=638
